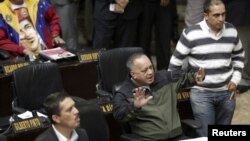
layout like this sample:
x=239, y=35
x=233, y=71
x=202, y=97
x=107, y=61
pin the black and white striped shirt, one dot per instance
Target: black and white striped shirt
x=221, y=55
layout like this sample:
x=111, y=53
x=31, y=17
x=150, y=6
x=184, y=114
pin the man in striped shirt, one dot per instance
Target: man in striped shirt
x=214, y=45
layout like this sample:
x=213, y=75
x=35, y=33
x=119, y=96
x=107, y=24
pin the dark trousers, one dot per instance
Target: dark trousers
x=115, y=33
x=158, y=17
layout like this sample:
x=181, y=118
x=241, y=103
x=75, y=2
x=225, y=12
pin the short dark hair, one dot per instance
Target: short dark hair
x=131, y=59
x=208, y=3
x=52, y=103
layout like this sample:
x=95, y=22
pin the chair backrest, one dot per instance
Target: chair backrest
x=33, y=83
x=93, y=121
x=112, y=66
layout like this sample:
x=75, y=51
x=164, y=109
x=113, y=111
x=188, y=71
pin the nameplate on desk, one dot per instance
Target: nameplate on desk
x=27, y=124
x=9, y=68
x=88, y=56
x=181, y=96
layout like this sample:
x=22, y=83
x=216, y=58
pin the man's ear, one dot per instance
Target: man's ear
x=56, y=118
x=132, y=74
x=205, y=15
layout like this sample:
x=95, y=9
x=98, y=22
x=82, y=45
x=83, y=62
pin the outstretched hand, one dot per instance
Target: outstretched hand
x=139, y=97
x=200, y=76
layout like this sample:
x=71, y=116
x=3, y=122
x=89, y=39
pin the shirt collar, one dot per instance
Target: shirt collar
x=205, y=27
x=15, y=6
x=61, y=137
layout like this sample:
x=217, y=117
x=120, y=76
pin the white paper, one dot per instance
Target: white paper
x=25, y=115
x=29, y=114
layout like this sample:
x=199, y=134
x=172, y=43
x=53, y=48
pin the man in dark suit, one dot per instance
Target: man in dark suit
x=116, y=23
x=64, y=116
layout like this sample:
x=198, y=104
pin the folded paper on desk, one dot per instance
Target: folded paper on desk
x=29, y=114
x=56, y=54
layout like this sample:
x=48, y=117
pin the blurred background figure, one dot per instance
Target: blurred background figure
x=67, y=11
x=194, y=12
x=157, y=16
x=86, y=22
x=116, y=23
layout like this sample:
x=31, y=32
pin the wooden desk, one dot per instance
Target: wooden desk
x=79, y=79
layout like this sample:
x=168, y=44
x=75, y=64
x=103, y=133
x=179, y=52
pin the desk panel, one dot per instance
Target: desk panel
x=5, y=95
x=79, y=79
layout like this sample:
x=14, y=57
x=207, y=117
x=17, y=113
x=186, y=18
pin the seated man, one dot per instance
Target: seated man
x=64, y=116
x=27, y=27
x=147, y=100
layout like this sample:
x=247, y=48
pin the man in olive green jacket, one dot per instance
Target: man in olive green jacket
x=148, y=100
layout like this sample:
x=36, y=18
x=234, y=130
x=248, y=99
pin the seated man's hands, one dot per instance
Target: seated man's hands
x=139, y=97
x=200, y=76
x=119, y=6
x=57, y=40
x=118, y=9
x=122, y=3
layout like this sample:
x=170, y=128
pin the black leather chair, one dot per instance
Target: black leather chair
x=93, y=120
x=4, y=125
x=112, y=69
x=32, y=84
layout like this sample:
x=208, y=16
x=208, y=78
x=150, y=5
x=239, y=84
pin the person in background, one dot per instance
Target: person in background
x=64, y=116
x=85, y=12
x=67, y=11
x=157, y=17
x=175, y=34
x=194, y=12
x=147, y=100
x=116, y=23
x=214, y=45
x=40, y=14
x=238, y=13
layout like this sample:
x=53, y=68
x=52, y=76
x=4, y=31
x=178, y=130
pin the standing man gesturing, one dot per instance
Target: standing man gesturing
x=212, y=44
